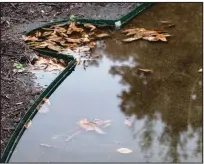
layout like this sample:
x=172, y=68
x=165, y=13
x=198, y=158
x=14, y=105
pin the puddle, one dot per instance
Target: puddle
x=168, y=124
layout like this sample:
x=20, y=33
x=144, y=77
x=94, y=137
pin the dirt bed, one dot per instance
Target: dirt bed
x=18, y=89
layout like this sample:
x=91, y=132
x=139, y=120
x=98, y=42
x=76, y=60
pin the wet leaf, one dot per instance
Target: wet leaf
x=73, y=40
x=124, y=150
x=28, y=124
x=30, y=38
x=151, y=38
x=54, y=47
x=145, y=70
x=128, y=122
x=84, y=40
x=90, y=26
x=98, y=130
x=38, y=34
x=102, y=35
x=161, y=37
x=42, y=45
x=45, y=145
x=43, y=109
x=200, y=70
x=130, y=39
x=92, y=44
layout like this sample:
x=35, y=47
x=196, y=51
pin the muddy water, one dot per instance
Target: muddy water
x=167, y=105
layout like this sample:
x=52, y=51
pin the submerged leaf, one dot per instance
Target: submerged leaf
x=128, y=122
x=124, y=150
x=98, y=130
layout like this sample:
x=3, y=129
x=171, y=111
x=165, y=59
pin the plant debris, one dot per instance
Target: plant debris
x=124, y=150
x=94, y=126
x=141, y=33
x=28, y=124
x=200, y=70
x=67, y=39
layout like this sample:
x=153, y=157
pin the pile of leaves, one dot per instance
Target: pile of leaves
x=68, y=38
x=141, y=33
x=42, y=64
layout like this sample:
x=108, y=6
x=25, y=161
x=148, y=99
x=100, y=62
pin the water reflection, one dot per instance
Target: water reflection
x=173, y=90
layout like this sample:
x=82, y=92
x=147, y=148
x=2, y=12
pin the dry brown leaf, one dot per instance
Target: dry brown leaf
x=102, y=35
x=42, y=45
x=46, y=101
x=129, y=30
x=30, y=38
x=38, y=34
x=150, y=38
x=28, y=124
x=131, y=39
x=161, y=37
x=90, y=26
x=84, y=40
x=73, y=40
x=92, y=44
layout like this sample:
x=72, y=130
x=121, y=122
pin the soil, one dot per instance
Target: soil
x=18, y=89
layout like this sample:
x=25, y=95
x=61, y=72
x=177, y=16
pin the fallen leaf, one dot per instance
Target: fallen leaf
x=128, y=122
x=98, y=130
x=150, y=38
x=30, y=38
x=200, y=70
x=145, y=70
x=46, y=145
x=105, y=126
x=90, y=26
x=102, y=35
x=161, y=37
x=92, y=44
x=47, y=33
x=73, y=40
x=43, y=109
x=46, y=101
x=130, y=39
x=28, y=124
x=124, y=150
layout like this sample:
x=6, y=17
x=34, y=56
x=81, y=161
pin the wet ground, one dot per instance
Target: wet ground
x=167, y=104
x=18, y=90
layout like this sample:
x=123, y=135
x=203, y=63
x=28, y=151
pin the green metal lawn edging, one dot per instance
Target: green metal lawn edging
x=33, y=110
x=14, y=139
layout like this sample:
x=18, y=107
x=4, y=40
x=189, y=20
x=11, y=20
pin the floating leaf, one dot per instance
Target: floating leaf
x=44, y=109
x=161, y=37
x=145, y=70
x=46, y=101
x=92, y=44
x=130, y=39
x=28, y=124
x=124, y=150
x=128, y=122
x=46, y=145
x=151, y=38
x=90, y=26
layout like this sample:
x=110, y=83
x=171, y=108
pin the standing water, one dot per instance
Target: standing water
x=166, y=105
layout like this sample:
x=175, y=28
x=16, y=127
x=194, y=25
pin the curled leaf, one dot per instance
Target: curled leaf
x=90, y=26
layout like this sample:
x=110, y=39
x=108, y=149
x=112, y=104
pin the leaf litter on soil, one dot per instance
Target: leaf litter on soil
x=67, y=39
